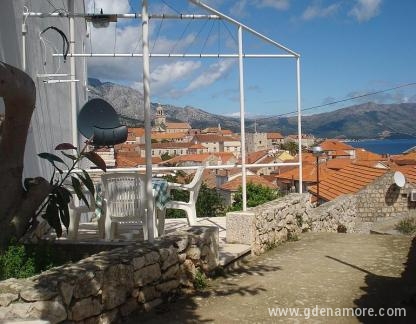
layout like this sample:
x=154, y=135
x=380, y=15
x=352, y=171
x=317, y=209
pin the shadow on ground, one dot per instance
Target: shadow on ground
x=384, y=294
x=183, y=308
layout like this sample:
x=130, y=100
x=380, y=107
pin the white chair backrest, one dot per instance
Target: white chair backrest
x=196, y=182
x=123, y=193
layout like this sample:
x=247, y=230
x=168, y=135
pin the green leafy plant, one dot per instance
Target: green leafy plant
x=406, y=226
x=200, y=280
x=256, y=195
x=209, y=202
x=55, y=209
x=15, y=263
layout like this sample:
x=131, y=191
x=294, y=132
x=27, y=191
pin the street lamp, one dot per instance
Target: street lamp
x=317, y=151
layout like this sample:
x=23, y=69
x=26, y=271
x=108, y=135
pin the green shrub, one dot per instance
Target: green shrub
x=209, y=203
x=200, y=281
x=406, y=226
x=256, y=195
x=16, y=263
x=23, y=261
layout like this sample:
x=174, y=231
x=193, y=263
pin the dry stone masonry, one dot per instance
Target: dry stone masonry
x=110, y=285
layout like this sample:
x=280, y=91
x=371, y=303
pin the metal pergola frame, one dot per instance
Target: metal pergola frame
x=145, y=17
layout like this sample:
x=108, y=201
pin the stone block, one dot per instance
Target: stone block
x=7, y=298
x=171, y=272
x=147, y=275
x=168, y=286
x=240, y=227
x=147, y=294
x=85, y=308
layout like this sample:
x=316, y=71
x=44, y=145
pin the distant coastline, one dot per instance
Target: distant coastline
x=384, y=146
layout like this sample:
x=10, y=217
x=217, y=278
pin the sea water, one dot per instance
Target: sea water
x=386, y=146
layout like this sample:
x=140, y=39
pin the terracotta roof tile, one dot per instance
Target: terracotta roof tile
x=364, y=155
x=137, y=131
x=350, y=179
x=336, y=164
x=308, y=173
x=334, y=145
x=274, y=136
x=124, y=161
x=161, y=136
x=255, y=156
x=178, y=125
x=234, y=184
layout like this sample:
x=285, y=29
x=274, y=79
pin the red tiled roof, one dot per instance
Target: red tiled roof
x=336, y=164
x=160, y=136
x=197, y=146
x=274, y=136
x=334, y=145
x=178, y=125
x=255, y=156
x=224, y=156
x=210, y=138
x=123, y=161
x=339, y=153
x=350, y=179
x=363, y=155
x=170, y=145
x=234, y=184
x=137, y=131
x=409, y=173
x=308, y=173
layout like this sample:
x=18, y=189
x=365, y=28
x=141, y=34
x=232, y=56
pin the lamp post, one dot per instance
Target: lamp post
x=317, y=152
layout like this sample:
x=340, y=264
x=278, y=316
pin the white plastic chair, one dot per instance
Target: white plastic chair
x=76, y=208
x=193, y=188
x=122, y=201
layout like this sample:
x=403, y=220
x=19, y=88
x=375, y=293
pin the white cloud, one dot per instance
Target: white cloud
x=164, y=77
x=317, y=11
x=239, y=9
x=364, y=10
x=214, y=72
x=276, y=4
x=108, y=6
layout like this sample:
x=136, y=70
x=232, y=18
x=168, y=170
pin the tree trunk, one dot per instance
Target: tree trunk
x=17, y=206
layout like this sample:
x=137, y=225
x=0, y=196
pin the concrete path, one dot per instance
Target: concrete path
x=325, y=270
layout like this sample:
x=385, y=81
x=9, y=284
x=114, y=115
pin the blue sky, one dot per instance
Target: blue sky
x=347, y=47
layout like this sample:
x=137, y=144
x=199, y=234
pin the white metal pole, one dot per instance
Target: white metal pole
x=299, y=123
x=24, y=32
x=242, y=118
x=178, y=55
x=73, y=89
x=147, y=121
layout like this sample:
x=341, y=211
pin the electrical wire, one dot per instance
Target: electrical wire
x=65, y=51
x=115, y=38
x=343, y=100
x=158, y=32
x=199, y=32
x=170, y=7
x=180, y=38
x=209, y=33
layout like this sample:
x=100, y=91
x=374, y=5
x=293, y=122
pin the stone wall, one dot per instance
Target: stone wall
x=340, y=211
x=280, y=220
x=269, y=224
x=109, y=285
x=382, y=198
x=285, y=218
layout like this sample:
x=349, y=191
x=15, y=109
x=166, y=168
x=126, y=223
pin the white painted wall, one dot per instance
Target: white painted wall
x=51, y=120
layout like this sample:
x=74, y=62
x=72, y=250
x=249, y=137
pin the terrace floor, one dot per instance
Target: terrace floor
x=88, y=234
x=310, y=278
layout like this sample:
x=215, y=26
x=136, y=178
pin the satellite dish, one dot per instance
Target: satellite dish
x=98, y=120
x=399, y=179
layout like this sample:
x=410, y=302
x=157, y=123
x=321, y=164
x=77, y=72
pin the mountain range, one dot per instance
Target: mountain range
x=368, y=120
